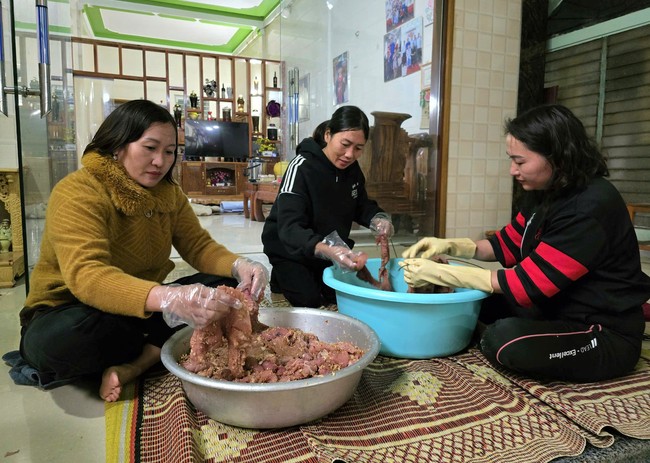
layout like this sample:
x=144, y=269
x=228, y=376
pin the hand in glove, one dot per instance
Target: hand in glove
x=335, y=249
x=420, y=272
x=381, y=225
x=459, y=247
x=250, y=275
x=196, y=305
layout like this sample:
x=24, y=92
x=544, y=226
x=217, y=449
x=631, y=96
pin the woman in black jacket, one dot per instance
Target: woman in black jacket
x=321, y=194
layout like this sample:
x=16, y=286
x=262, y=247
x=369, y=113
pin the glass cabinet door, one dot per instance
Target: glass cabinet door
x=38, y=129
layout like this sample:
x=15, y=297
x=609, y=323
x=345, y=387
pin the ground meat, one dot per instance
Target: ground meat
x=233, y=332
x=239, y=348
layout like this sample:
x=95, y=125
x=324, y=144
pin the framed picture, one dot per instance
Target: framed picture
x=398, y=12
x=411, y=46
x=340, y=66
x=428, y=13
x=392, y=55
x=303, y=98
x=426, y=76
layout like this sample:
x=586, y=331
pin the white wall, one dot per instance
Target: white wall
x=313, y=35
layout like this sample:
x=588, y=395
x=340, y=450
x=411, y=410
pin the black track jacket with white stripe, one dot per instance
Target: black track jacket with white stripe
x=315, y=199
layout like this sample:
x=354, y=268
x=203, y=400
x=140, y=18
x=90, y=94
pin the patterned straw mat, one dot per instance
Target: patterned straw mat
x=454, y=409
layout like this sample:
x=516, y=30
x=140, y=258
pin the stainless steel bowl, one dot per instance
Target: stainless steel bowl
x=262, y=406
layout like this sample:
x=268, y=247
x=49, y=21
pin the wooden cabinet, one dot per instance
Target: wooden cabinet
x=212, y=182
x=193, y=178
x=12, y=263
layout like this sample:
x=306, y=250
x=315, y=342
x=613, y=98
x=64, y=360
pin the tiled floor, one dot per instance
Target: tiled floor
x=67, y=424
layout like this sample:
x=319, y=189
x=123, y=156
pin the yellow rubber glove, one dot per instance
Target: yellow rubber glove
x=420, y=272
x=459, y=247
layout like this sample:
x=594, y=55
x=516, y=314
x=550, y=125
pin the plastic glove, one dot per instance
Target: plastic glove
x=195, y=305
x=381, y=225
x=420, y=272
x=333, y=248
x=459, y=247
x=250, y=275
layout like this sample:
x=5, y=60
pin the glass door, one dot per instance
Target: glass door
x=37, y=127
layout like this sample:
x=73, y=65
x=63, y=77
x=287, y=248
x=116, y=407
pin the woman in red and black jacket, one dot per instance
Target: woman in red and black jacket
x=568, y=300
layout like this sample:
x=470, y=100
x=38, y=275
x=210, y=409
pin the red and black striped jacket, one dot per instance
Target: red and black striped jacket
x=577, y=259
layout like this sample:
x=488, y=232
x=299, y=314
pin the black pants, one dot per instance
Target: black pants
x=75, y=340
x=301, y=283
x=557, y=349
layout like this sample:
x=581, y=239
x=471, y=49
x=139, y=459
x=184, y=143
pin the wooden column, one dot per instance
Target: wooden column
x=389, y=147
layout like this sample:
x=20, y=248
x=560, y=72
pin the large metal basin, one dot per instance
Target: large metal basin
x=278, y=405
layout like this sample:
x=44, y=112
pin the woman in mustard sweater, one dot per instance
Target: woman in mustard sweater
x=96, y=302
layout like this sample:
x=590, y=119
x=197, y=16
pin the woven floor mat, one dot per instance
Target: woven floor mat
x=455, y=409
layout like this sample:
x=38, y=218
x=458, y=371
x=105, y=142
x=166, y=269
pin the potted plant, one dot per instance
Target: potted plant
x=266, y=147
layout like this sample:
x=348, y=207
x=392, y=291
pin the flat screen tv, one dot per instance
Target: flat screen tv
x=205, y=139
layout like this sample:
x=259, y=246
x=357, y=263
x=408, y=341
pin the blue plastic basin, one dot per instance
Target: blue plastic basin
x=409, y=325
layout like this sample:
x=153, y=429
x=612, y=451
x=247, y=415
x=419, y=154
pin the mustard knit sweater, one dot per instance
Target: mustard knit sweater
x=107, y=241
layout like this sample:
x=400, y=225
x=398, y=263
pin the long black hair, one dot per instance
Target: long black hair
x=557, y=134
x=126, y=124
x=344, y=119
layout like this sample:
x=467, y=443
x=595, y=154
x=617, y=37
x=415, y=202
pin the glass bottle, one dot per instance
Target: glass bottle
x=275, y=80
x=223, y=90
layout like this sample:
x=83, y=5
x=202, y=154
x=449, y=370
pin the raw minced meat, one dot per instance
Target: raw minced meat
x=239, y=348
x=280, y=354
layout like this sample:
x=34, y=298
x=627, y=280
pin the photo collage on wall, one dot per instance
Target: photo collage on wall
x=403, y=40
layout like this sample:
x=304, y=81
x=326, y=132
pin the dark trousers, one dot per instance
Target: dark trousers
x=301, y=283
x=521, y=340
x=75, y=340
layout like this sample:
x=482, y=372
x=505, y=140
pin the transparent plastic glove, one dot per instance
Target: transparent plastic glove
x=195, y=305
x=459, y=247
x=381, y=225
x=333, y=248
x=420, y=272
x=250, y=275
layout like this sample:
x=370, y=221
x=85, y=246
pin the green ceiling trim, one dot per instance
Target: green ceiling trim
x=258, y=13
x=97, y=24
x=24, y=26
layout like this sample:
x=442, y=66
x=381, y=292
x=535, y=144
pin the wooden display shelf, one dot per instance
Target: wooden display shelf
x=208, y=200
x=196, y=181
x=220, y=190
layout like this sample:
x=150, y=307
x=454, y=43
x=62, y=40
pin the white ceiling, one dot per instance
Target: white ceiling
x=215, y=26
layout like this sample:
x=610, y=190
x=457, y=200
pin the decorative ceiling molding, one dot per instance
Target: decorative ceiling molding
x=214, y=26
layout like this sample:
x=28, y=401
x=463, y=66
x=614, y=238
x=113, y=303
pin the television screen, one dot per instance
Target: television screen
x=229, y=140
